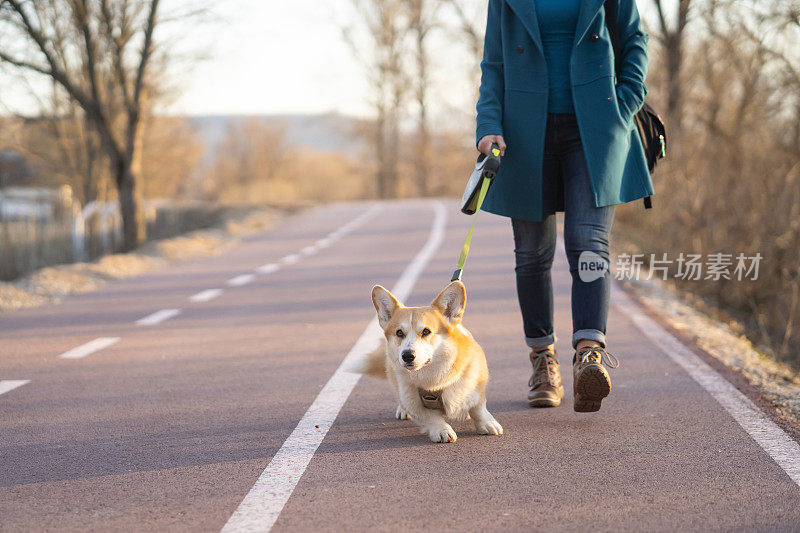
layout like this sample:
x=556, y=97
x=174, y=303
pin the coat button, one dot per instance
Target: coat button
x=520, y=49
x=594, y=37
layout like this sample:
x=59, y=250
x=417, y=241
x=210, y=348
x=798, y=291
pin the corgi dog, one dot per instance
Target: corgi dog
x=432, y=362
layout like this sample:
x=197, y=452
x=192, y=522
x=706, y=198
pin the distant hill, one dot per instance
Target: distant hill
x=331, y=132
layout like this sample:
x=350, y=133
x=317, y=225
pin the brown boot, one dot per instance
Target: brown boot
x=590, y=378
x=545, y=383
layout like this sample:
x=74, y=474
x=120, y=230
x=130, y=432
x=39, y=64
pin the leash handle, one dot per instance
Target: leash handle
x=462, y=259
x=489, y=172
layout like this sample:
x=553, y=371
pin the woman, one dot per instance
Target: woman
x=549, y=91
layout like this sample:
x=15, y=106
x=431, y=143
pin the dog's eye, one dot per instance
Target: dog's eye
x=400, y=333
x=426, y=332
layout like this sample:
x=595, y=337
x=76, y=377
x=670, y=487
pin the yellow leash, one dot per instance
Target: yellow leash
x=465, y=249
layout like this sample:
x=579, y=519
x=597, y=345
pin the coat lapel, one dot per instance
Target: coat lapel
x=526, y=11
x=589, y=9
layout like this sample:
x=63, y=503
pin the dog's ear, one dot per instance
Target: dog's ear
x=385, y=303
x=451, y=302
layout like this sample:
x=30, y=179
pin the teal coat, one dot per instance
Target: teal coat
x=513, y=103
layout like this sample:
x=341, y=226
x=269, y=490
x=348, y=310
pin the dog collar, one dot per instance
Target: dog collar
x=431, y=399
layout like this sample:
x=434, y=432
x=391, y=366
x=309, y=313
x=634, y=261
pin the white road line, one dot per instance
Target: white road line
x=260, y=508
x=339, y=232
x=269, y=268
x=244, y=279
x=158, y=317
x=206, y=295
x=290, y=259
x=772, y=439
x=8, y=385
x=324, y=242
x=89, y=348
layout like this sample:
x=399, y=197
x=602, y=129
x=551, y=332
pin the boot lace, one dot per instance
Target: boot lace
x=542, y=372
x=596, y=354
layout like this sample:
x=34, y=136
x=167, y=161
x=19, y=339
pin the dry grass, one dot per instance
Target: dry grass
x=50, y=284
x=28, y=245
x=731, y=185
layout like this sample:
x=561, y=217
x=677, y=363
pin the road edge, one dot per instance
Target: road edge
x=731, y=375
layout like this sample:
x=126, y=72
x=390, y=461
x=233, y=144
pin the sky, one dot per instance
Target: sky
x=277, y=57
x=258, y=57
x=288, y=56
x=274, y=56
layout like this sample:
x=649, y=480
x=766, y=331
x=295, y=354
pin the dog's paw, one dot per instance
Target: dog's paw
x=442, y=434
x=401, y=413
x=491, y=427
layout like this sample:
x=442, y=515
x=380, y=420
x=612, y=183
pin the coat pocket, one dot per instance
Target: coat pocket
x=622, y=109
x=589, y=71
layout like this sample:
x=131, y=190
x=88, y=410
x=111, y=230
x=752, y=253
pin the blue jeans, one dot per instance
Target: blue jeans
x=586, y=231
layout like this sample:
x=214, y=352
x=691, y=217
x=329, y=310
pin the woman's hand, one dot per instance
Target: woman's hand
x=485, y=144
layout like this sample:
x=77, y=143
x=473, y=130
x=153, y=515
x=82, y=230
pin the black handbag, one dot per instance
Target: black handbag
x=648, y=122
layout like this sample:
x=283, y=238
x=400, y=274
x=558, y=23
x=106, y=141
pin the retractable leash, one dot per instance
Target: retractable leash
x=486, y=168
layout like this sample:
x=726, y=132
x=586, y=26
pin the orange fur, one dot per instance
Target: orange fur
x=372, y=364
x=446, y=358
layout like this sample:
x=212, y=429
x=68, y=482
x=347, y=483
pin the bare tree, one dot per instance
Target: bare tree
x=171, y=153
x=470, y=26
x=78, y=149
x=470, y=17
x=672, y=36
x=386, y=26
x=99, y=52
x=422, y=20
x=248, y=163
x=736, y=185
x=774, y=29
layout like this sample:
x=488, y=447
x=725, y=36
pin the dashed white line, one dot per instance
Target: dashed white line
x=343, y=230
x=260, y=508
x=238, y=281
x=8, y=385
x=206, y=295
x=158, y=317
x=89, y=348
x=290, y=259
x=269, y=268
x=772, y=439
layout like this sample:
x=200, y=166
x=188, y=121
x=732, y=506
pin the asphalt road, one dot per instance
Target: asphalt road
x=113, y=418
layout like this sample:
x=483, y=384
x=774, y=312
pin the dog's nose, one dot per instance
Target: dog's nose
x=407, y=355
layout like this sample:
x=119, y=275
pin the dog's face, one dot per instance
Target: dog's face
x=415, y=335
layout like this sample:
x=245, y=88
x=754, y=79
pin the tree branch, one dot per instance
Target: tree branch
x=661, y=18
x=55, y=71
x=19, y=63
x=119, y=44
x=147, y=51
